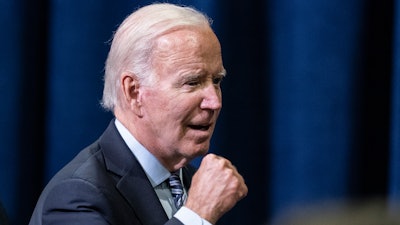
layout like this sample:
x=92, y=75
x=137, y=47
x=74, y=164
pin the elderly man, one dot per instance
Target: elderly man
x=162, y=82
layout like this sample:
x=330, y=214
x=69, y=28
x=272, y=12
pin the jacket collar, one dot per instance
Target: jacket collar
x=133, y=183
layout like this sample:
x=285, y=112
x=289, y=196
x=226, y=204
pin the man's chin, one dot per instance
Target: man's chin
x=200, y=151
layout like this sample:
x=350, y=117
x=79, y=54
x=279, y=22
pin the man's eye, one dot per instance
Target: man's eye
x=192, y=83
x=217, y=80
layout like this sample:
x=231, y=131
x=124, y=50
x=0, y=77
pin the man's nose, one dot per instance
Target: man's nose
x=212, y=98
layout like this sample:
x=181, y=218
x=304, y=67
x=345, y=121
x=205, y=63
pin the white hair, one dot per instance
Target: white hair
x=132, y=45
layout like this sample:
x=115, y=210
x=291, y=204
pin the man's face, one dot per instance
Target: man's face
x=180, y=110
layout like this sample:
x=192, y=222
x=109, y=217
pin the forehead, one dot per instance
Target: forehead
x=189, y=48
x=186, y=39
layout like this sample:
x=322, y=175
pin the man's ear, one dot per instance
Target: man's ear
x=131, y=91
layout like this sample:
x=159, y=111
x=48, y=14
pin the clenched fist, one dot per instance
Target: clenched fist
x=216, y=187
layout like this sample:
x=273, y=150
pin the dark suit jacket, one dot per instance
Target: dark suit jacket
x=103, y=184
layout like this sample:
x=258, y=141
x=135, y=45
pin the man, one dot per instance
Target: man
x=162, y=82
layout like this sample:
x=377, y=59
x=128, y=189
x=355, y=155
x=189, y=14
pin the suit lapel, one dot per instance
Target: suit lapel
x=133, y=184
x=137, y=190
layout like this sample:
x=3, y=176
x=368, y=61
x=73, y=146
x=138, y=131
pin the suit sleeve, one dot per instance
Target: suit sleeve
x=76, y=202
x=174, y=221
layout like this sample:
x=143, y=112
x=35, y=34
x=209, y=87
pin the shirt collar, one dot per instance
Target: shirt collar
x=154, y=170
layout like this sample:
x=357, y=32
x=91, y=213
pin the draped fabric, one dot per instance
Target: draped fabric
x=311, y=102
x=394, y=161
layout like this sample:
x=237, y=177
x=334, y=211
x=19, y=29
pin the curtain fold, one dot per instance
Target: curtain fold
x=79, y=33
x=395, y=116
x=315, y=69
x=10, y=58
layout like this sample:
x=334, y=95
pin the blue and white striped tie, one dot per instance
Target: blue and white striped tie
x=176, y=189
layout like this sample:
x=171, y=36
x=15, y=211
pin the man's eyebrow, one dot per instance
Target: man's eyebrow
x=222, y=73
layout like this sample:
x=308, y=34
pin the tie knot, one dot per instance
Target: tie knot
x=175, y=184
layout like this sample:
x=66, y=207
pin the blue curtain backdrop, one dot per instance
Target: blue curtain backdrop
x=311, y=101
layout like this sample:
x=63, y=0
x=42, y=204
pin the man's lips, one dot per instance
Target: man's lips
x=200, y=127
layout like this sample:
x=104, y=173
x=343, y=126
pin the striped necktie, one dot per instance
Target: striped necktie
x=176, y=189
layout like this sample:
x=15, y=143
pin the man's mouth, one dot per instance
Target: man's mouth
x=200, y=127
